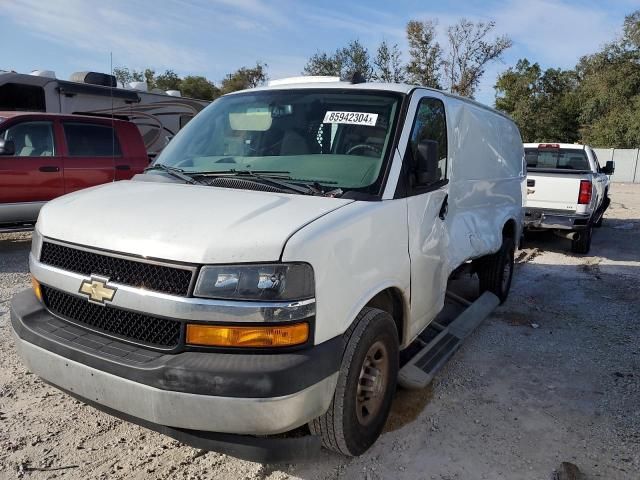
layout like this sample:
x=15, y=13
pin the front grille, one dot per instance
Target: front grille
x=137, y=327
x=160, y=278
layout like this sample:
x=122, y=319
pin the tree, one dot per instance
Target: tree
x=244, y=78
x=469, y=53
x=322, y=63
x=631, y=30
x=149, y=77
x=355, y=58
x=169, y=80
x=388, y=64
x=124, y=76
x=343, y=63
x=609, y=95
x=425, y=54
x=199, y=87
x=542, y=103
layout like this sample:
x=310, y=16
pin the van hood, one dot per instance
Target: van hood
x=186, y=223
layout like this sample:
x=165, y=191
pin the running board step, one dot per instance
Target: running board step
x=420, y=370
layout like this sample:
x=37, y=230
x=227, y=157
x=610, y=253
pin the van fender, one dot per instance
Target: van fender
x=370, y=294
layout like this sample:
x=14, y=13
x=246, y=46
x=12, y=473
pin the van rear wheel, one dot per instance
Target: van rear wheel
x=496, y=271
x=366, y=384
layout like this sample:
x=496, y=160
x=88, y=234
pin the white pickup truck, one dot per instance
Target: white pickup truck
x=265, y=273
x=567, y=191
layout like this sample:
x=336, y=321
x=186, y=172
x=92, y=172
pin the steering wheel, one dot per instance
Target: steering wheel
x=364, y=146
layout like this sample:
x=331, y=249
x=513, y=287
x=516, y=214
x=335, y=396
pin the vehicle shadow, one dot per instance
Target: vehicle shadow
x=14, y=252
x=616, y=240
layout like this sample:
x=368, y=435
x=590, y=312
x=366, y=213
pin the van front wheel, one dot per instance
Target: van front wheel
x=366, y=384
x=496, y=271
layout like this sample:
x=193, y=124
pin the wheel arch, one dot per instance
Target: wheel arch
x=392, y=300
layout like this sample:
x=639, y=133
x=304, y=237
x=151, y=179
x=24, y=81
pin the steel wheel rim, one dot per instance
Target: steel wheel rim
x=372, y=383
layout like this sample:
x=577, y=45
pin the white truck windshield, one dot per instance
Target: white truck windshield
x=327, y=136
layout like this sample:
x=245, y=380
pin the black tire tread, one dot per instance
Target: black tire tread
x=329, y=425
x=490, y=269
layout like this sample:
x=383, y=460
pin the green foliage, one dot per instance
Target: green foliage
x=199, y=87
x=598, y=103
x=543, y=103
x=244, y=78
x=388, y=64
x=343, y=63
x=468, y=52
x=124, y=76
x=425, y=54
x=169, y=80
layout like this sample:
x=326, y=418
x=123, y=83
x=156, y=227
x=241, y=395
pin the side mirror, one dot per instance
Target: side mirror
x=427, y=162
x=7, y=147
x=609, y=168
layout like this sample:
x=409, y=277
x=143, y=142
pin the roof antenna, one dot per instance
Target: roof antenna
x=357, y=77
x=113, y=130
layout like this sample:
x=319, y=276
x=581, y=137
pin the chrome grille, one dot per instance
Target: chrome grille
x=160, y=278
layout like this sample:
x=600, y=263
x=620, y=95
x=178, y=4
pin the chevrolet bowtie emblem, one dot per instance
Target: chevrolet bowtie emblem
x=97, y=289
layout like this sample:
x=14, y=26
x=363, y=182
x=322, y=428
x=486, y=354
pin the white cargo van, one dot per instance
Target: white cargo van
x=266, y=272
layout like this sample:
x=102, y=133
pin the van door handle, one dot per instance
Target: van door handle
x=444, y=209
x=123, y=167
x=531, y=183
x=49, y=168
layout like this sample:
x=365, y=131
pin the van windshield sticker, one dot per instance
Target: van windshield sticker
x=351, y=118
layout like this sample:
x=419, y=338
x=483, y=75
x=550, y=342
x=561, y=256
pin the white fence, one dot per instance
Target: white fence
x=627, y=163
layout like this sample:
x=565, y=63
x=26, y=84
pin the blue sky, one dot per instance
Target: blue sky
x=215, y=37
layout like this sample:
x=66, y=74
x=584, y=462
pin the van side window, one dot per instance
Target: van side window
x=431, y=124
x=31, y=139
x=87, y=140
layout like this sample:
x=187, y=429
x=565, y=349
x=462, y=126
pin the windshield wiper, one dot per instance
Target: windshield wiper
x=173, y=171
x=266, y=176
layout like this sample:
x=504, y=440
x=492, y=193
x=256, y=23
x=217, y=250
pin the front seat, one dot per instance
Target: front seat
x=28, y=148
x=293, y=144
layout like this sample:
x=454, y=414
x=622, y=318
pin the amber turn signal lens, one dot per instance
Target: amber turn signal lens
x=225, y=336
x=36, y=287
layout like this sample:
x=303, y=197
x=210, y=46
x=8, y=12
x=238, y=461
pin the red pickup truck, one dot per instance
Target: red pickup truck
x=44, y=155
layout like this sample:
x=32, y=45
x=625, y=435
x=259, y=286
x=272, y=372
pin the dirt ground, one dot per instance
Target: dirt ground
x=553, y=375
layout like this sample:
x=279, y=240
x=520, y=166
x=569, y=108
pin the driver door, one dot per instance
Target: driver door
x=427, y=206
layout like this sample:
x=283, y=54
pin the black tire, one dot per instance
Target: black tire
x=605, y=204
x=344, y=427
x=495, y=271
x=582, y=244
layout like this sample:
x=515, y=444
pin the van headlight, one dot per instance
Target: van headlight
x=271, y=281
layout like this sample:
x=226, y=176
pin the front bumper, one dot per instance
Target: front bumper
x=535, y=218
x=254, y=394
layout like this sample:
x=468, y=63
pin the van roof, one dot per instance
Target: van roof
x=403, y=88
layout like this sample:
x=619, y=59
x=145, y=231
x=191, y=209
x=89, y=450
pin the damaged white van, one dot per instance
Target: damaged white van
x=265, y=273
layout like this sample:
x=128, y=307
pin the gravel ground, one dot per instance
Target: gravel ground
x=553, y=375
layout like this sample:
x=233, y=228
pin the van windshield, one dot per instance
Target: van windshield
x=556, y=158
x=330, y=137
